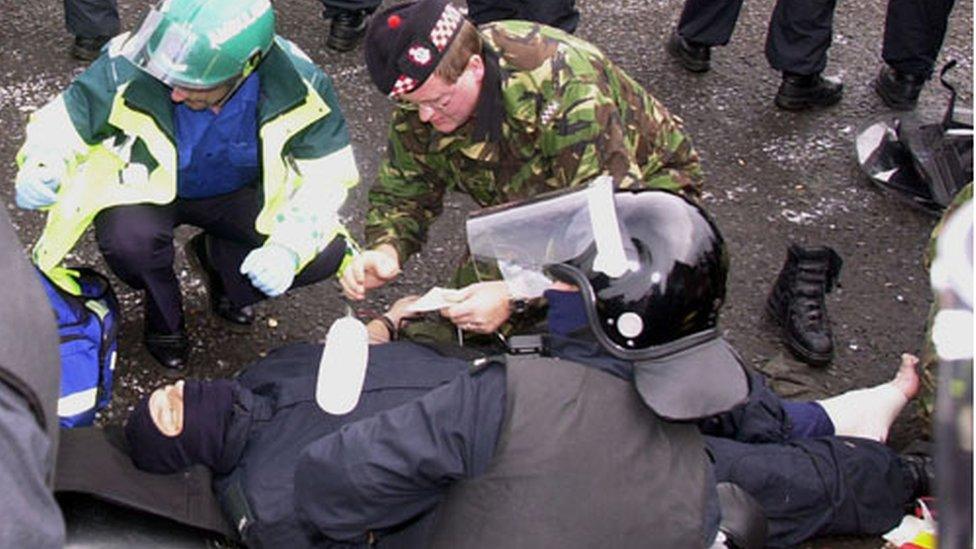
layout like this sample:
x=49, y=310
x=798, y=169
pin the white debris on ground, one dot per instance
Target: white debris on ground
x=27, y=95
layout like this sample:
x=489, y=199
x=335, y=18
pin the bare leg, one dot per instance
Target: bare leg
x=869, y=413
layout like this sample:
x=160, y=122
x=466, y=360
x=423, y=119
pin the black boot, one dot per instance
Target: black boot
x=798, y=92
x=919, y=473
x=796, y=302
x=220, y=304
x=898, y=90
x=348, y=27
x=88, y=49
x=170, y=350
x=693, y=57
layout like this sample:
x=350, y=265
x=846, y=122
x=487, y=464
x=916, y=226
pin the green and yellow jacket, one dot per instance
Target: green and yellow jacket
x=110, y=134
x=554, y=112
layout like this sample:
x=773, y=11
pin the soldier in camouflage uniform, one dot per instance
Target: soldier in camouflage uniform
x=502, y=112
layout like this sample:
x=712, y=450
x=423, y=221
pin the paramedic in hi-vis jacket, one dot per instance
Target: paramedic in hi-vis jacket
x=203, y=116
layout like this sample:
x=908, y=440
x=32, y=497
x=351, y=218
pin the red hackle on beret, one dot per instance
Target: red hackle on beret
x=405, y=43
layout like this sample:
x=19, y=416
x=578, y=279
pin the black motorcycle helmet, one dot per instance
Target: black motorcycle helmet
x=662, y=313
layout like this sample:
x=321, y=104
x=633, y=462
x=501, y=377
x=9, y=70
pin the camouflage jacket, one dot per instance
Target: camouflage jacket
x=567, y=114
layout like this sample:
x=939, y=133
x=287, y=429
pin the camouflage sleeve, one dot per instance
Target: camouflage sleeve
x=407, y=196
x=674, y=161
x=588, y=136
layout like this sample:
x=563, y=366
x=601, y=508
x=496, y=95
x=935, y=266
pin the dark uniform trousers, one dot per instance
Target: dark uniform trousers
x=914, y=30
x=333, y=6
x=561, y=14
x=800, y=31
x=807, y=487
x=137, y=242
x=92, y=18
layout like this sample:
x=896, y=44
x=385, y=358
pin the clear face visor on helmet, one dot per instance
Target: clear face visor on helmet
x=521, y=240
x=170, y=52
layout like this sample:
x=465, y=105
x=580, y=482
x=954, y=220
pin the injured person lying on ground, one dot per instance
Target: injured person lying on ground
x=551, y=446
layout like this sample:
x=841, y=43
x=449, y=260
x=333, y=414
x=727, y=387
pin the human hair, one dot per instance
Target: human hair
x=468, y=42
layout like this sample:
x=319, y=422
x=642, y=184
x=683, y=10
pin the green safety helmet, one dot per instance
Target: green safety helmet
x=201, y=44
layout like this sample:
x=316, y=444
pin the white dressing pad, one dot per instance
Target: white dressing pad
x=435, y=299
x=342, y=368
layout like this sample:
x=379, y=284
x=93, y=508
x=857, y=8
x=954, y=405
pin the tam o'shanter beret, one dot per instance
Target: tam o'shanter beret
x=405, y=43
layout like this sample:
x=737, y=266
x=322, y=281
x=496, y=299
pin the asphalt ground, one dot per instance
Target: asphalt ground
x=772, y=178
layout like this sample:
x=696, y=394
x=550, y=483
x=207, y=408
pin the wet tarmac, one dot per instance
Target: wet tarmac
x=772, y=178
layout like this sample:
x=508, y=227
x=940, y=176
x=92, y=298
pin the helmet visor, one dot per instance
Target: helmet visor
x=172, y=52
x=522, y=239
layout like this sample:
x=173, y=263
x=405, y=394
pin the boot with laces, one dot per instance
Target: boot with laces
x=348, y=27
x=797, y=302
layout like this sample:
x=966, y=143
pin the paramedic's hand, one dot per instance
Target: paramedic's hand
x=271, y=268
x=36, y=187
x=368, y=270
x=483, y=307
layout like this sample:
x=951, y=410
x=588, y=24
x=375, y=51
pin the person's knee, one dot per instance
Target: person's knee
x=136, y=247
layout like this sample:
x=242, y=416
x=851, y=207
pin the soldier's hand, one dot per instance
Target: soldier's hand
x=482, y=309
x=370, y=269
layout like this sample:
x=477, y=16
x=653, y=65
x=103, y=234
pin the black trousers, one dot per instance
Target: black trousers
x=807, y=487
x=800, y=31
x=137, y=242
x=332, y=6
x=92, y=18
x=914, y=30
x=797, y=41
x=561, y=14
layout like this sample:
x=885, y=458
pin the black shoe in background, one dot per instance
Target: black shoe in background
x=797, y=302
x=693, y=57
x=799, y=92
x=898, y=91
x=172, y=351
x=220, y=304
x=920, y=474
x=348, y=27
x=88, y=49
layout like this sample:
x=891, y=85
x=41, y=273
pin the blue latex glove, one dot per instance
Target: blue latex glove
x=271, y=268
x=36, y=187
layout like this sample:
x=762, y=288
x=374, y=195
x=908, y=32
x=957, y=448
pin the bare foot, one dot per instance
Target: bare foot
x=869, y=413
x=907, y=380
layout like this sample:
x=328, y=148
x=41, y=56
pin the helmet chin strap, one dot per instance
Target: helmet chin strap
x=252, y=63
x=230, y=93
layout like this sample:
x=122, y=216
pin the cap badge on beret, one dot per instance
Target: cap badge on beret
x=419, y=55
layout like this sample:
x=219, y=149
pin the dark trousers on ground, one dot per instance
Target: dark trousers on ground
x=797, y=41
x=807, y=487
x=137, y=242
x=332, y=6
x=914, y=30
x=92, y=18
x=561, y=14
x=800, y=31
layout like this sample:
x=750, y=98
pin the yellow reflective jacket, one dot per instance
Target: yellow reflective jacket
x=110, y=135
